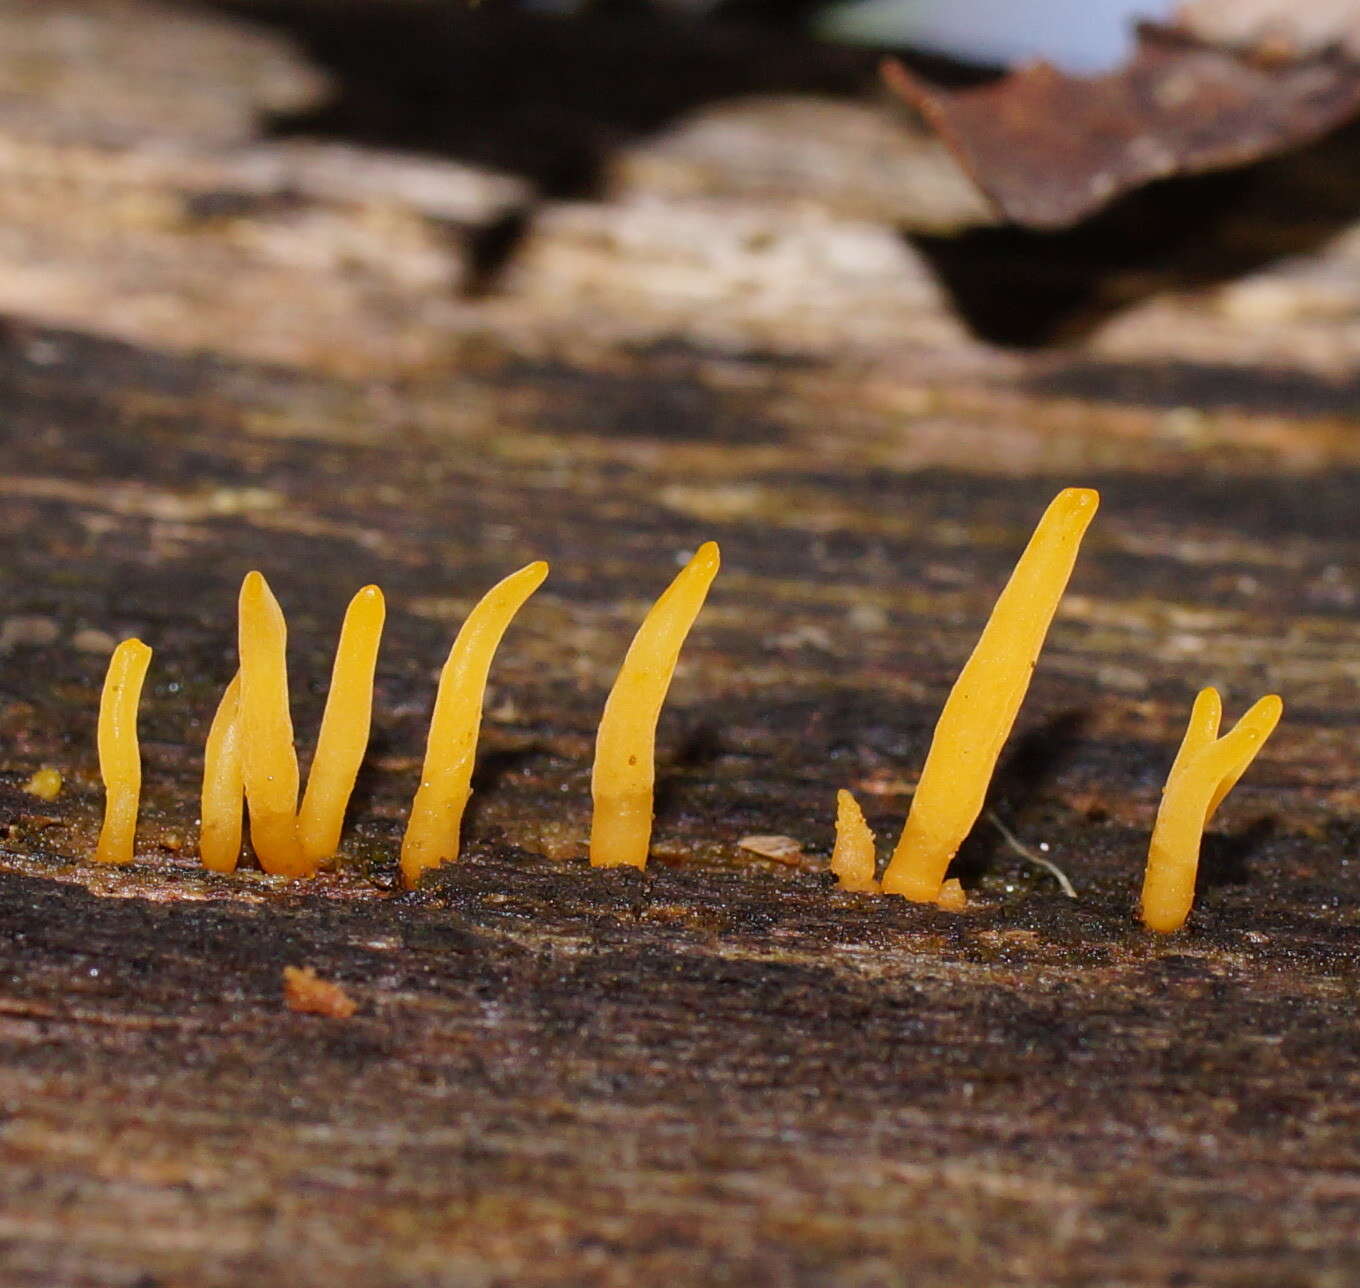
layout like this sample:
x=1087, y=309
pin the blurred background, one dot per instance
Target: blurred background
x=1028, y=203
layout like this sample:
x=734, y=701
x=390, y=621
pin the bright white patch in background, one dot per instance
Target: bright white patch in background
x=1081, y=36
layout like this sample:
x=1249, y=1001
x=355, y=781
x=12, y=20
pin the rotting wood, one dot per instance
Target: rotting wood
x=723, y=1069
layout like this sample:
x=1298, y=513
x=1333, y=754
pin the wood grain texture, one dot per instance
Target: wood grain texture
x=722, y=1070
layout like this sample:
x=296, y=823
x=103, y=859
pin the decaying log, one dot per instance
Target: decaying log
x=722, y=1070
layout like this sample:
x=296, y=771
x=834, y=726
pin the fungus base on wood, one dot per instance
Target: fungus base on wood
x=723, y=1069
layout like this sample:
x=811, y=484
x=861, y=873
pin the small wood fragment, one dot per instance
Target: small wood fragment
x=782, y=849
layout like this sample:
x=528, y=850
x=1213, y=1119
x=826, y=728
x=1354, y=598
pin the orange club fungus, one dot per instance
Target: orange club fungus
x=120, y=756
x=219, y=837
x=45, y=784
x=625, y=746
x=853, y=859
x=1205, y=770
x=250, y=760
x=343, y=737
x=432, y=831
x=250, y=743
x=983, y=704
x=269, y=767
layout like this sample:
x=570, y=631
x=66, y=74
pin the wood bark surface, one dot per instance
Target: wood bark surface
x=230, y=343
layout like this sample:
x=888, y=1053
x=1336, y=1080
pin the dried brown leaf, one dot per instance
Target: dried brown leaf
x=1049, y=149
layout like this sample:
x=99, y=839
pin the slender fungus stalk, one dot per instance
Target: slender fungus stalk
x=343, y=739
x=219, y=837
x=284, y=845
x=624, y=774
x=120, y=758
x=853, y=860
x=269, y=764
x=1205, y=770
x=982, y=706
x=451, y=750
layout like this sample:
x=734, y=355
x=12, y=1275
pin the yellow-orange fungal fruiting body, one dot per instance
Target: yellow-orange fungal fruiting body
x=120, y=756
x=343, y=740
x=853, y=859
x=269, y=762
x=45, y=784
x=983, y=704
x=1205, y=770
x=219, y=837
x=952, y=897
x=624, y=772
x=451, y=750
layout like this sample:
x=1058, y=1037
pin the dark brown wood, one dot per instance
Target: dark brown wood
x=721, y=1070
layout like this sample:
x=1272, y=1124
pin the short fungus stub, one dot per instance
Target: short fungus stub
x=1205, y=770
x=120, y=756
x=45, y=784
x=432, y=831
x=625, y=747
x=982, y=706
x=853, y=859
x=952, y=897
